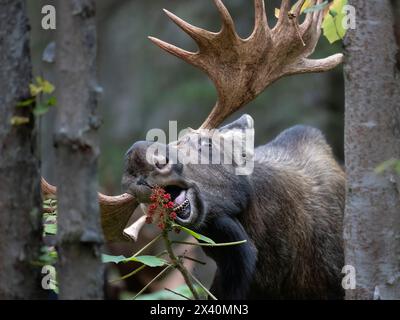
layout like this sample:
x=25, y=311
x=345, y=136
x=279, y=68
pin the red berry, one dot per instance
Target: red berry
x=172, y=215
x=161, y=226
x=167, y=196
x=170, y=204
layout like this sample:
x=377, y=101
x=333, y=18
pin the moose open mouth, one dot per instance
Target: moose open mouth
x=180, y=198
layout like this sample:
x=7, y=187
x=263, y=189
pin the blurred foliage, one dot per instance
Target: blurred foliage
x=333, y=22
x=144, y=87
x=389, y=165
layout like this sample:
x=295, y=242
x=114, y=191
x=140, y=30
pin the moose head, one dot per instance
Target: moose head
x=183, y=169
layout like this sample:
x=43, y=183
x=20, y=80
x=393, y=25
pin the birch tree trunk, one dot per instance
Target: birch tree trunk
x=372, y=136
x=80, y=272
x=20, y=201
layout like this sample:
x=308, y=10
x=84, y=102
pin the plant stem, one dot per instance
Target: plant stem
x=178, y=265
x=203, y=287
x=154, y=279
x=147, y=245
x=177, y=293
x=210, y=244
x=192, y=259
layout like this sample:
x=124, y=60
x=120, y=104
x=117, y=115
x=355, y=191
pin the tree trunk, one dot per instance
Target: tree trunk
x=372, y=136
x=80, y=272
x=20, y=201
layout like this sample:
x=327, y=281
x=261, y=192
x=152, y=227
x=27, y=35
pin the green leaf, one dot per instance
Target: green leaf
x=388, y=165
x=18, y=121
x=194, y=234
x=45, y=85
x=40, y=86
x=51, y=102
x=332, y=25
x=106, y=258
x=50, y=202
x=50, y=228
x=34, y=89
x=150, y=261
x=333, y=12
x=26, y=103
x=40, y=109
x=397, y=167
x=49, y=255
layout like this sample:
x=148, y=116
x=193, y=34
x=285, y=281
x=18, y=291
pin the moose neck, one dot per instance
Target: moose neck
x=236, y=263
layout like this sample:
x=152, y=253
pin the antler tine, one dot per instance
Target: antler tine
x=315, y=65
x=283, y=12
x=309, y=19
x=188, y=56
x=298, y=7
x=201, y=36
x=260, y=16
x=320, y=19
x=228, y=26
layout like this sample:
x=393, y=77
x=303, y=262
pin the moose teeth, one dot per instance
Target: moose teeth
x=181, y=206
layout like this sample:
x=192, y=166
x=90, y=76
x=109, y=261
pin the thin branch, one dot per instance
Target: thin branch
x=147, y=245
x=210, y=244
x=193, y=259
x=203, y=287
x=177, y=293
x=154, y=279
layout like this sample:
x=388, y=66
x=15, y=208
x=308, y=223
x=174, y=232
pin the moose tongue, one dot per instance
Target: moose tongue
x=181, y=198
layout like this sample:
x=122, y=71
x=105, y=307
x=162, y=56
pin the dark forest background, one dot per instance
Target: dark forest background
x=143, y=87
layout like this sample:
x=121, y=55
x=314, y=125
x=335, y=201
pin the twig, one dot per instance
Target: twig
x=292, y=17
x=193, y=259
x=129, y=274
x=154, y=279
x=203, y=287
x=147, y=245
x=177, y=293
x=178, y=265
x=210, y=244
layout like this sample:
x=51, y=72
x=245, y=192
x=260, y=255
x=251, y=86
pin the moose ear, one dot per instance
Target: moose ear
x=243, y=123
x=240, y=133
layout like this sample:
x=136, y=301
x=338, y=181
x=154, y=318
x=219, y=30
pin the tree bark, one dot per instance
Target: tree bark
x=80, y=272
x=372, y=136
x=20, y=200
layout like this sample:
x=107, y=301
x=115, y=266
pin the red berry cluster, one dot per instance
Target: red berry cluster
x=161, y=207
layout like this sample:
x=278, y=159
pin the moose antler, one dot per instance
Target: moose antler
x=115, y=211
x=242, y=68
